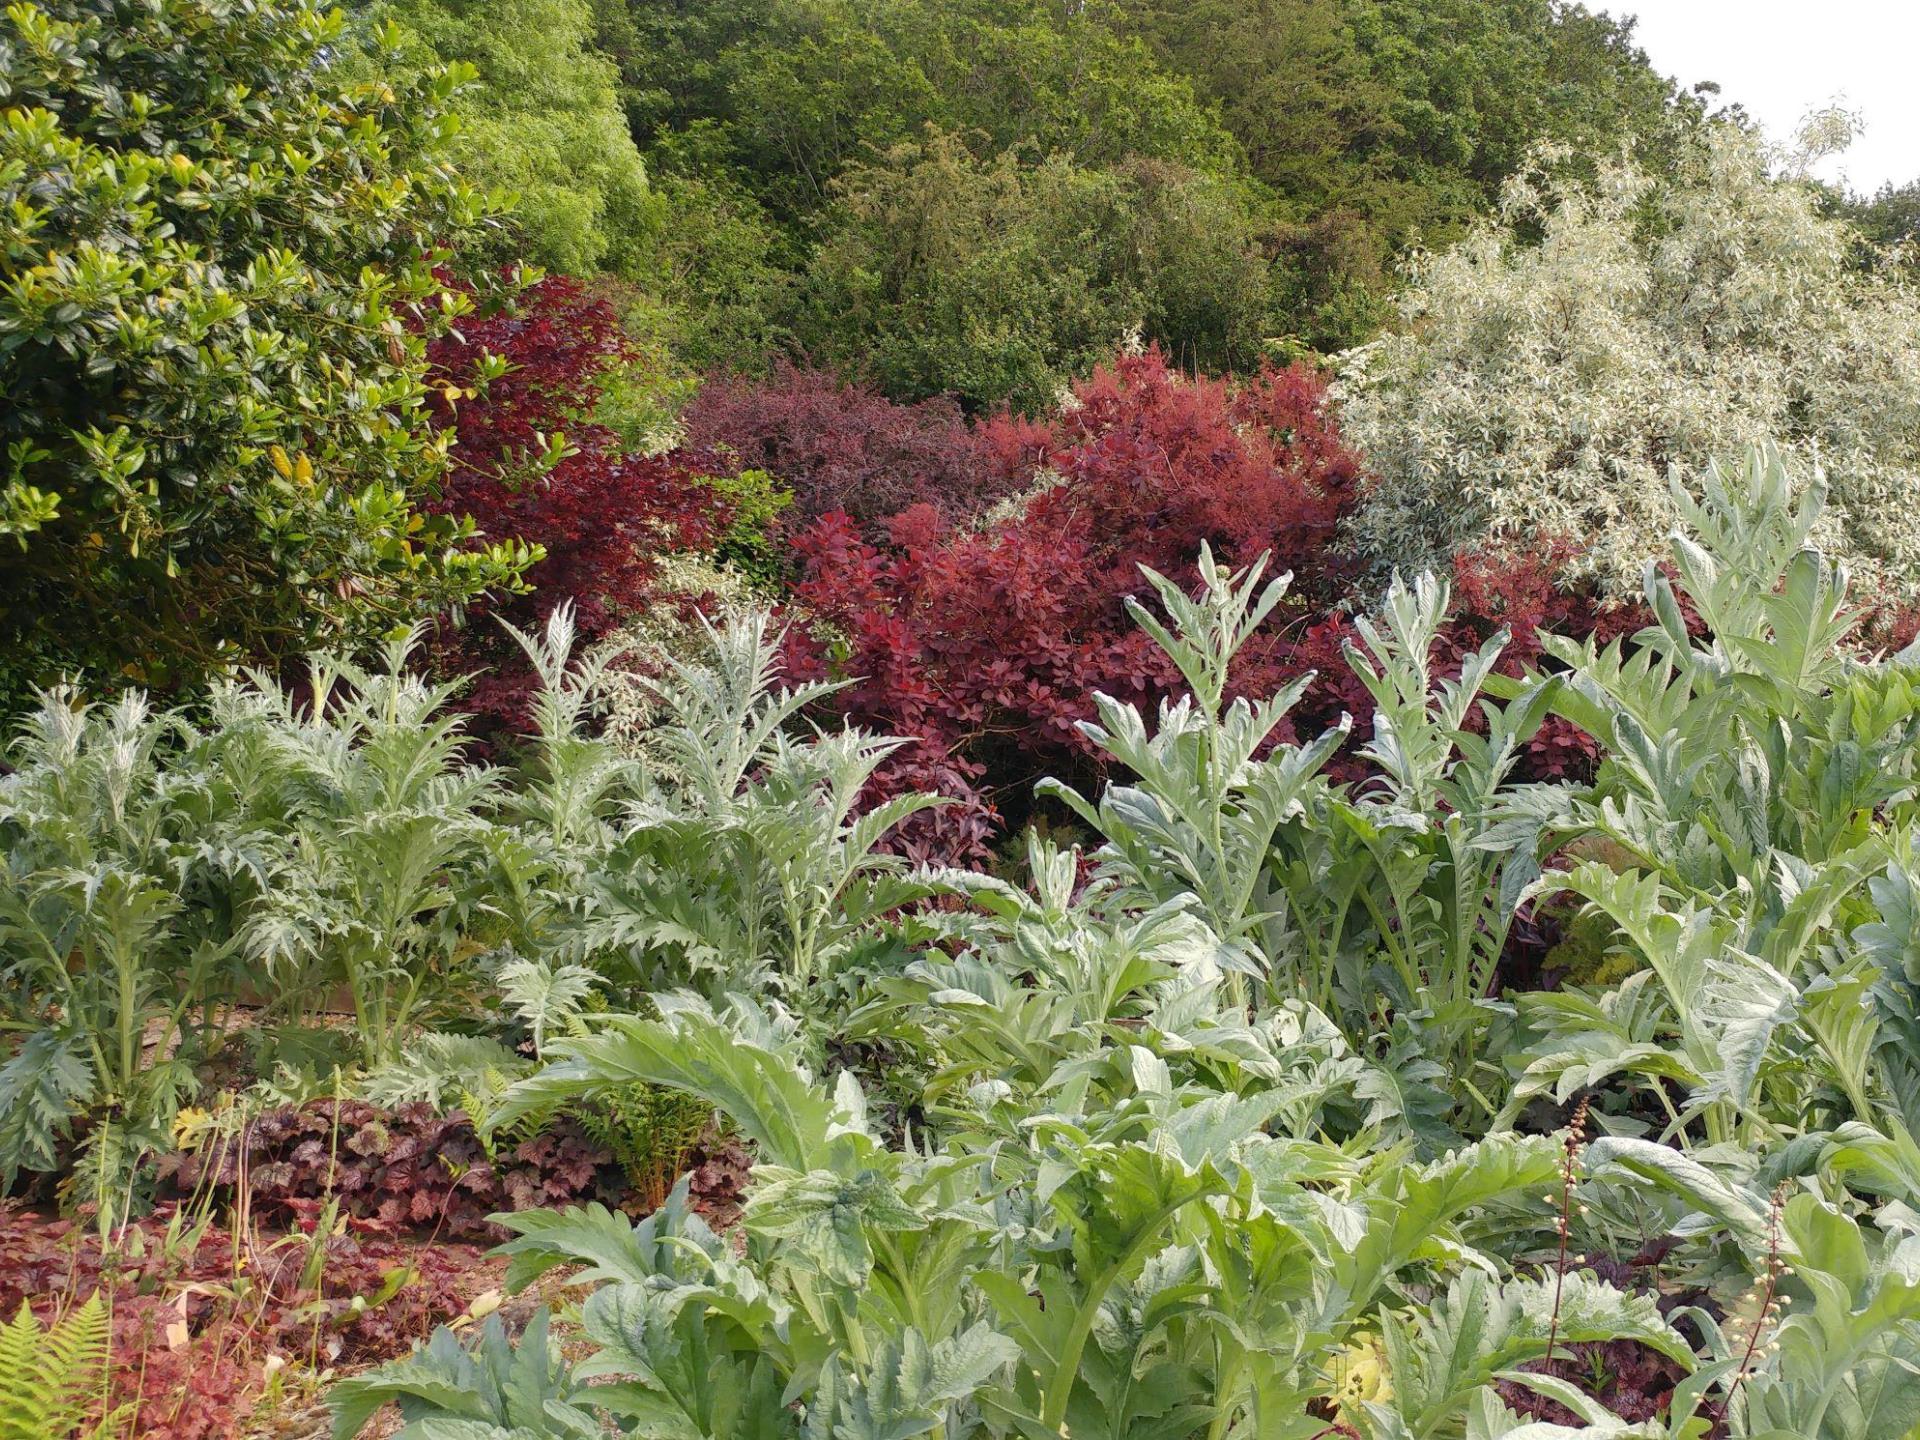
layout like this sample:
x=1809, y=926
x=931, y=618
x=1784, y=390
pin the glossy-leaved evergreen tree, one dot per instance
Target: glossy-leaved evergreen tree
x=217, y=284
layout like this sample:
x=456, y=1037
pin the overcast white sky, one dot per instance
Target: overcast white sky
x=1780, y=58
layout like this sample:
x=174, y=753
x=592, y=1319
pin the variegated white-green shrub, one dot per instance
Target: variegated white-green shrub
x=1550, y=369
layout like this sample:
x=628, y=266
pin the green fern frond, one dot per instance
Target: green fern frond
x=50, y=1376
x=650, y=1131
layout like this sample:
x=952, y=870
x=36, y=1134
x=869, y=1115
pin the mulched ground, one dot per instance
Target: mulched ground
x=230, y=1328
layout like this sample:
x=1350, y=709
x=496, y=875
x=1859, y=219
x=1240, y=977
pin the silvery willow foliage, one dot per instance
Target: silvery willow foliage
x=1556, y=364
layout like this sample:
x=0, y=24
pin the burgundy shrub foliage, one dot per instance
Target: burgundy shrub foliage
x=986, y=641
x=843, y=446
x=968, y=577
x=400, y=1169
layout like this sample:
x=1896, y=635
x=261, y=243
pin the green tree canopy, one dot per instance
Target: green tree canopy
x=793, y=92
x=1002, y=278
x=1379, y=124
x=1890, y=217
x=781, y=133
x=543, y=122
x=1342, y=131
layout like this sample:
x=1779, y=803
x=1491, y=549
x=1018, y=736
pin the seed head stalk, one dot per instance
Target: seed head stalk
x=1767, y=1291
x=1575, y=1142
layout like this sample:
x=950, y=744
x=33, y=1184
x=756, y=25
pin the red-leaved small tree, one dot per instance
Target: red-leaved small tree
x=986, y=641
x=604, y=513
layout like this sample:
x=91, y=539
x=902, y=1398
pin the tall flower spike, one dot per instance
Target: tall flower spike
x=1768, y=1293
x=1574, y=1142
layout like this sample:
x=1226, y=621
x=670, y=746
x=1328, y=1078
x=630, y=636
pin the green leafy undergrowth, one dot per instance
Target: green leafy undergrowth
x=1236, y=1111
